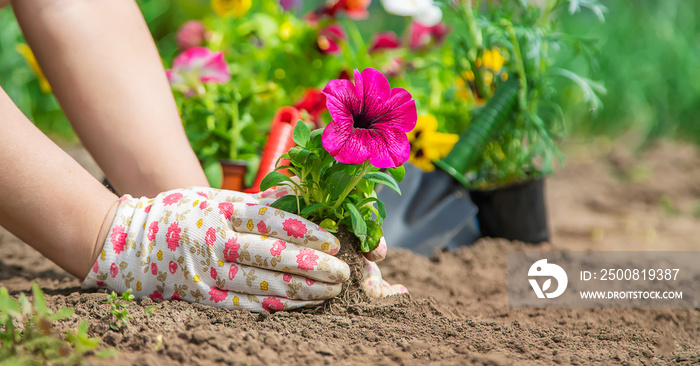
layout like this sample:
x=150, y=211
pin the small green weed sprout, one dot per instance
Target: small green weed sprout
x=27, y=336
x=118, y=307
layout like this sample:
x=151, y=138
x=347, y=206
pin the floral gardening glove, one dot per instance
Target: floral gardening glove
x=220, y=248
x=374, y=284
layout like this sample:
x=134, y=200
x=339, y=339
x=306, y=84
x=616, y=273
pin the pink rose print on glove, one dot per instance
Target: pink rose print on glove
x=217, y=295
x=147, y=209
x=232, y=271
x=278, y=247
x=286, y=277
x=213, y=273
x=172, y=198
x=272, y=304
x=231, y=250
x=226, y=209
x=210, y=238
x=203, y=205
x=118, y=238
x=310, y=282
x=156, y=295
x=262, y=229
x=294, y=228
x=152, y=230
x=175, y=296
x=96, y=267
x=173, y=267
x=173, y=236
x=154, y=269
x=306, y=259
x=202, y=194
x=114, y=270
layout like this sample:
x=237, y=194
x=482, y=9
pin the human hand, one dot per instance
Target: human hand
x=219, y=248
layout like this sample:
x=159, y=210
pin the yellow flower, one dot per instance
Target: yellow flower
x=494, y=60
x=427, y=144
x=286, y=31
x=227, y=8
x=28, y=55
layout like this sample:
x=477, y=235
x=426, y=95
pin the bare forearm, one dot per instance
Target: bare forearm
x=105, y=70
x=46, y=198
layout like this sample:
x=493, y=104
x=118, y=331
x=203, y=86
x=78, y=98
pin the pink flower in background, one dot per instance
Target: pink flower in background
x=226, y=209
x=152, y=231
x=384, y=41
x=217, y=295
x=329, y=39
x=173, y=236
x=118, y=238
x=172, y=198
x=191, y=34
x=354, y=9
x=172, y=266
x=272, y=304
x=306, y=259
x=422, y=36
x=231, y=250
x=288, y=4
x=294, y=228
x=370, y=120
x=313, y=102
x=278, y=247
x=210, y=236
x=196, y=67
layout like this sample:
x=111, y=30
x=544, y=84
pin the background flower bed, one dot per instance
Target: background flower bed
x=457, y=312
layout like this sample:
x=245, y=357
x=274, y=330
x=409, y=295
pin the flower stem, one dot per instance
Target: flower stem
x=351, y=186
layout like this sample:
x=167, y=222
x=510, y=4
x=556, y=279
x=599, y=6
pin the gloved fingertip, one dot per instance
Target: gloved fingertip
x=400, y=289
x=379, y=253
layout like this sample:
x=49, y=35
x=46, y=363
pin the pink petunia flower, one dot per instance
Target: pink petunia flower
x=294, y=228
x=191, y=34
x=384, y=41
x=288, y=4
x=172, y=198
x=226, y=209
x=152, y=230
x=217, y=295
x=232, y=271
x=422, y=36
x=231, y=250
x=329, y=39
x=118, y=238
x=210, y=236
x=196, y=67
x=306, y=259
x=313, y=102
x=272, y=304
x=277, y=247
x=370, y=120
x=172, y=266
x=172, y=238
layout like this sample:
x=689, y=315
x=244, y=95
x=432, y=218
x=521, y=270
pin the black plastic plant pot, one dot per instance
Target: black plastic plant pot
x=515, y=212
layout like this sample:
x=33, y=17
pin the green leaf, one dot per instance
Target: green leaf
x=61, y=314
x=301, y=134
x=385, y=179
x=329, y=225
x=398, y=173
x=299, y=155
x=289, y=203
x=359, y=226
x=39, y=300
x=313, y=207
x=8, y=305
x=213, y=171
x=374, y=234
x=337, y=183
x=273, y=179
x=315, y=138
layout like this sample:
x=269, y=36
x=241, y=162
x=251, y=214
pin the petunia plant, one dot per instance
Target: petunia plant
x=337, y=168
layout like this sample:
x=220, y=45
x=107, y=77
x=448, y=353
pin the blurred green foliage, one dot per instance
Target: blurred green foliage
x=649, y=60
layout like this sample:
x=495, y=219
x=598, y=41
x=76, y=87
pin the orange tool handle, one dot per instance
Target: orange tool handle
x=278, y=143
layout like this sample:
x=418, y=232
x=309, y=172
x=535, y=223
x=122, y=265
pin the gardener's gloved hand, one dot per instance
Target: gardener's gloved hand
x=220, y=248
x=374, y=284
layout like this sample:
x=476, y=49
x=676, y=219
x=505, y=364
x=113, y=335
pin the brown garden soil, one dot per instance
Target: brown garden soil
x=457, y=312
